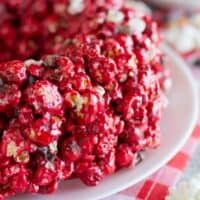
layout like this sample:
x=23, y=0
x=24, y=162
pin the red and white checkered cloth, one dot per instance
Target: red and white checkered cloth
x=156, y=186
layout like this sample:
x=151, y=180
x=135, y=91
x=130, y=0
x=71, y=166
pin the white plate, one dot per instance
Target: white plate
x=192, y=4
x=178, y=121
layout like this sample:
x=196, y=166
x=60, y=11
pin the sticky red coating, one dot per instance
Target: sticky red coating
x=85, y=110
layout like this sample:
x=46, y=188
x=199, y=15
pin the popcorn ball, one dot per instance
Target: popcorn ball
x=81, y=92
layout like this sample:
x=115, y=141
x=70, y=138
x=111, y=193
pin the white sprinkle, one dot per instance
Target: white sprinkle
x=76, y=7
x=115, y=16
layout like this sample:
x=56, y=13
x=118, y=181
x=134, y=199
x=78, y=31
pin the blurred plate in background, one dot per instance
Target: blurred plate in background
x=192, y=4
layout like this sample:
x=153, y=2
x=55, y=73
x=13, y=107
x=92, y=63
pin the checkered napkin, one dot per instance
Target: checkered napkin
x=156, y=186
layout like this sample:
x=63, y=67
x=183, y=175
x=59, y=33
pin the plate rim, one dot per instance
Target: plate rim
x=181, y=64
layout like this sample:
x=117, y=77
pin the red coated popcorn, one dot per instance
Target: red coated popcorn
x=84, y=97
x=45, y=130
x=44, y=97
x=14, y=145
x=92, y=175
x=124, y=156
x=13, y=72
x=9, y=97
x=87, y=106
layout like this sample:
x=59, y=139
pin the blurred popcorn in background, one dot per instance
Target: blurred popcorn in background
x=184, y=33
x=180, y=27
x=187, y=190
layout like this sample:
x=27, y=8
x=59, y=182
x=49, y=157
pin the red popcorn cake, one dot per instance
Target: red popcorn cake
x=27, y=25
x=86, y=101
